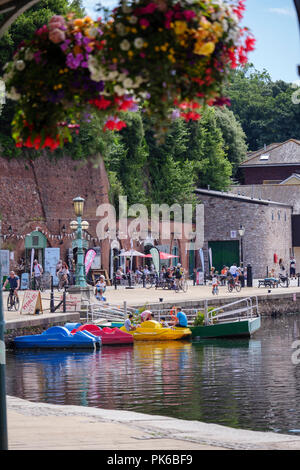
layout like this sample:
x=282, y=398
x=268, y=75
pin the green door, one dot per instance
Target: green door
x=224, y=253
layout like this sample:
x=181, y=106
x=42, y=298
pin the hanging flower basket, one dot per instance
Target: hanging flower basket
x=176, y=55
x=50, y=79
x=164, y=57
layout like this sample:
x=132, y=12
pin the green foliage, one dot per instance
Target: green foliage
x=233, y=135
x=264, y=108
x=206, y=150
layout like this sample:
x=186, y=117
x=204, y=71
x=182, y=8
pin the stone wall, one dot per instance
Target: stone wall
x=267, y=229
x=284, y=193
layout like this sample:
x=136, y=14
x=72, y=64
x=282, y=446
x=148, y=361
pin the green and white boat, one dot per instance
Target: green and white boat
x=237, y=319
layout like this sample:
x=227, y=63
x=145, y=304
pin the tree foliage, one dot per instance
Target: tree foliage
x=264, y=108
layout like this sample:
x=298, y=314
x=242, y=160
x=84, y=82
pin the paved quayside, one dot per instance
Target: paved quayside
x=40, y=426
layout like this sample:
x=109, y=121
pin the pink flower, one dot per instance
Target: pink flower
x=57, y=21
x=57, y=36
x=189, y=14
x=144, y=23
x=147, y=10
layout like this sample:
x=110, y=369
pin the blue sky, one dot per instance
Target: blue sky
x=275, y=27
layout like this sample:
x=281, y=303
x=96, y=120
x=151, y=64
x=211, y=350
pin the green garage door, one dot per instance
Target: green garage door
x=224, y=253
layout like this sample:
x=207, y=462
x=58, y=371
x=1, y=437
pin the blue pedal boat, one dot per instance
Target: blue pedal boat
x=58, y=337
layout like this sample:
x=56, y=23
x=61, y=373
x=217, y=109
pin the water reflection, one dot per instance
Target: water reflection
x=250, y=384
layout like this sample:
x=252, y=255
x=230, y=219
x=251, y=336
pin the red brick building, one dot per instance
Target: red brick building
x=36, y=198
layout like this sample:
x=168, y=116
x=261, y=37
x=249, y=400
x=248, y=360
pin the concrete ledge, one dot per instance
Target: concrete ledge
x=45, y=426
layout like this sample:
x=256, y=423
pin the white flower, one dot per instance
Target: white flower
x=125, y=45
x=28, y=55
x=112, y=75
x=138, y=43
x=138, y=81
x=133, y=19
x=127, y=83
x=122, y=77
x=13, y=94
x=119, y=90
x=20, y=65
x=126, y=8
x=121, y=29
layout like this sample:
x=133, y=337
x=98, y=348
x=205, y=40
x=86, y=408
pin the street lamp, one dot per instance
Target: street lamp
x=79, y=225
x=241, y=234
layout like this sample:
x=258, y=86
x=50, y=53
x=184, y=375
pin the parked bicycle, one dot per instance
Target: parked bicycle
x=283, y=281
x=12, y=300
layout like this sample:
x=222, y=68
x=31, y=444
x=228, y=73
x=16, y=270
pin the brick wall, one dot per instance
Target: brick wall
x=257, y=175
x=39, y=193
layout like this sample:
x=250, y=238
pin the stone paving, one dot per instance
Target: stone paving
x=141, y=296
x=40, y=426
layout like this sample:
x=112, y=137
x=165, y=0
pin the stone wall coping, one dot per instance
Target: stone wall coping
x=237, y=197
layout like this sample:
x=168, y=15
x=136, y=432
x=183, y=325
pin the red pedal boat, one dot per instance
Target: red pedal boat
x=108, y=335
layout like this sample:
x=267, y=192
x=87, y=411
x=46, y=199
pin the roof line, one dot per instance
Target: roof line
x=236, y=197
x=273, y=148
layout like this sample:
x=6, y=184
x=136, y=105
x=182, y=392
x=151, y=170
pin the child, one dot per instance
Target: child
x=215, y=284
x=100, y=296
x=164, y=323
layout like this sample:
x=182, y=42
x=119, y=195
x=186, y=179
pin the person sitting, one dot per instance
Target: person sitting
x=180, y=319
x=127, y=323
x=146, y=315
x=164, y=323
x=100, y=296
x=224, y=271
x=101, y=284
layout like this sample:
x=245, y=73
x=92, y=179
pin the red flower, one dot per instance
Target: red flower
x=101, y=102
x=249, y=44
x=114, y=124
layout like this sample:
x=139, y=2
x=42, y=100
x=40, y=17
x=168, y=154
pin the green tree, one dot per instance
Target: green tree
x=264, y=108
x=206, y=150
x=234, y=137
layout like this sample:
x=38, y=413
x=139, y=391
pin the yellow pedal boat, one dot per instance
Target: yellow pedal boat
x=151, y=330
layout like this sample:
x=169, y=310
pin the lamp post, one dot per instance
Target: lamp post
x=297, y=6
x=241, y=234
x=79, y=225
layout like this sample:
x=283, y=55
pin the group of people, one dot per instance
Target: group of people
x=232, y=274
x=179, y=319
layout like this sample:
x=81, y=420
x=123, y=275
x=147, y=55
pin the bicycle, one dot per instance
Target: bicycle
x=150, y=281
x=233, y=284
x=12, y=300
x=181, y=284
x=283, y=281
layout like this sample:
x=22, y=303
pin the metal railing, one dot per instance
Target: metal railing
x=102, y=312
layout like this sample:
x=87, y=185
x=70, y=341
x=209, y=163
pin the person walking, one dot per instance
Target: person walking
x=37, y=274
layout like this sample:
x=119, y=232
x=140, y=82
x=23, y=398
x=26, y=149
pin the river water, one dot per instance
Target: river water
x=249, y=383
